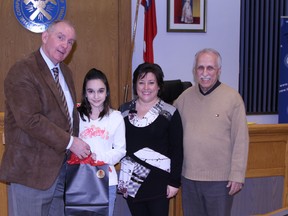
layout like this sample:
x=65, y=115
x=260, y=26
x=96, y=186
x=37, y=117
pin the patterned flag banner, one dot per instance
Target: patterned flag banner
x=150, y=29
x=283, y=73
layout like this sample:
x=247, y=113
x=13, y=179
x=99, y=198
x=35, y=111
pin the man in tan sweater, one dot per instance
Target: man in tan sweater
x=215, y=140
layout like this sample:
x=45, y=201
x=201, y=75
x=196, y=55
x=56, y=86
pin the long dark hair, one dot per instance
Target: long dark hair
x=85, y=107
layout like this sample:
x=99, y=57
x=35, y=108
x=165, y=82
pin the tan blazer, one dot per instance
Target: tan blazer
x=36, y=127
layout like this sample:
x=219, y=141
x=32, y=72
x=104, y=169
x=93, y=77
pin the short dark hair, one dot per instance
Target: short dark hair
x=145, y=68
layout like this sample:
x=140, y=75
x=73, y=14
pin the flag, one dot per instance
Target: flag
x=150, y=29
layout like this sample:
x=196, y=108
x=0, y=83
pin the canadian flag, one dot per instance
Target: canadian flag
x=150, y=29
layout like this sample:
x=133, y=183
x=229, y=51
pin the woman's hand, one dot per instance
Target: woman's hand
x=171, y=191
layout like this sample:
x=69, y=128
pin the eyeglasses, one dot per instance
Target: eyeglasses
x=209, y=69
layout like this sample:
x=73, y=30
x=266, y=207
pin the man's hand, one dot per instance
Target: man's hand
x=80, y=148
x=235, y=187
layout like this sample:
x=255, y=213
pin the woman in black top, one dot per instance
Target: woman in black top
x=151, y=171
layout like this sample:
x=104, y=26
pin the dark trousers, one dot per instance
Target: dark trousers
x=31, y=202
x=154, y=207
x=211, y=198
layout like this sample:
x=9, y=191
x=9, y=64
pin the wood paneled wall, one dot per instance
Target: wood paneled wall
x=103, y=41
x=266, y=184
x=3, y=188
x=266, y=177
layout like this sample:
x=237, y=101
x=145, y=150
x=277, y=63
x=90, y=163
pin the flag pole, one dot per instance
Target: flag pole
x=126, y=88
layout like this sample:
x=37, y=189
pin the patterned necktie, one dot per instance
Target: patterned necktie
x=56, y=75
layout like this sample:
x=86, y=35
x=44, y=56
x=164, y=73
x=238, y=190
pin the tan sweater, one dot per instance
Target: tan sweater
x=215, y=134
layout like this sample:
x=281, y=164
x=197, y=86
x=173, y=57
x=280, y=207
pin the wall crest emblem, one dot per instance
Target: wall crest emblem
x=37, y=15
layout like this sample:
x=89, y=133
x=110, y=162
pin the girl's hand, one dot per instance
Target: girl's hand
x=94, y=157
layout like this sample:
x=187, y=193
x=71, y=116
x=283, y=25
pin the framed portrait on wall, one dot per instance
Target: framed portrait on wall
x=186, y=15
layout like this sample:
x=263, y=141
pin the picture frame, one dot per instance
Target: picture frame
x=186, y=16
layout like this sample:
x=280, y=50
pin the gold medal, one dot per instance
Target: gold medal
x=100, y=173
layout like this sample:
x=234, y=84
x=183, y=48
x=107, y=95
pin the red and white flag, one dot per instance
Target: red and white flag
x=150, y=29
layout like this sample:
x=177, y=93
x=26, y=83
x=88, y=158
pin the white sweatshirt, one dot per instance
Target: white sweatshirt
x=106, y=138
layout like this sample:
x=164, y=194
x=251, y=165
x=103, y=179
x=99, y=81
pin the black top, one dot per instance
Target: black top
x=164, y=135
